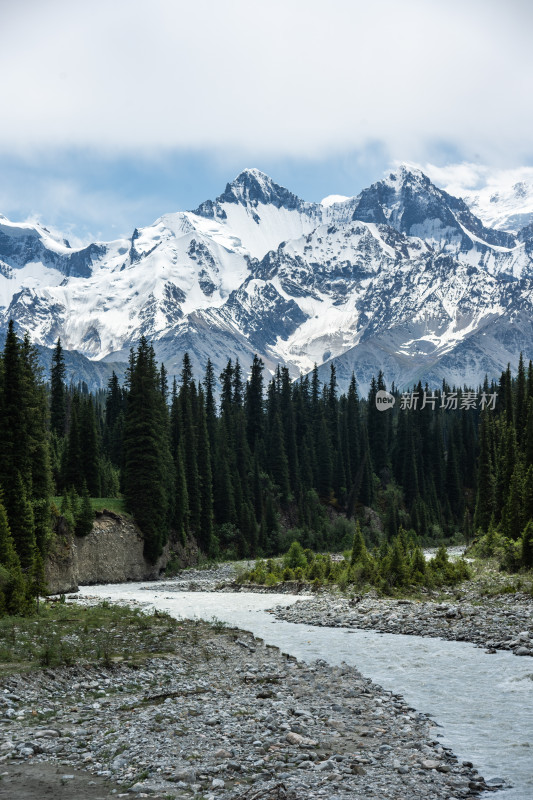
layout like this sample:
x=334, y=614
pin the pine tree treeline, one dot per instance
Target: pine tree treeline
x=245, y=464
x=25, y=476
x=264, y=461
x=504, y=501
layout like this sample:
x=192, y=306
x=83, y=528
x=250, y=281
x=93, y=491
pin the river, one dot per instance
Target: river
x=482, y=704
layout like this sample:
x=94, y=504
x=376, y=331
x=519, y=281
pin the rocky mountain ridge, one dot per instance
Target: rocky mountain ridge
x=402, y=277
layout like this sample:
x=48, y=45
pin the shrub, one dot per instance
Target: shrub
x=295, y=557
x=299, y=574
x=288, y=574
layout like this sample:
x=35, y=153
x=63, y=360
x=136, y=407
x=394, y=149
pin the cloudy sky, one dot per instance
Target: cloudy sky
x=113, y=113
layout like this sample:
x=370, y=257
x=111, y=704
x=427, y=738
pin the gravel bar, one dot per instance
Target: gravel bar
x=226, y=716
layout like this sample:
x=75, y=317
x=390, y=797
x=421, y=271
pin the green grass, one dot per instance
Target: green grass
x=62, y=635
x=115, y=504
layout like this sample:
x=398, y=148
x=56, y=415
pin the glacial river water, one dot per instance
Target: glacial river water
x=482, y=704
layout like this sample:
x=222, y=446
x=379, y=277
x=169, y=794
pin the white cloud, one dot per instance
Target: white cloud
x=465, y=178
x=502, y=198
x=81, y=215
x=287, y=77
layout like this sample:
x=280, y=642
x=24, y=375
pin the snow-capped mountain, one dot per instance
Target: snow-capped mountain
x=402, y=277
x=504, y=200
x=408, y=201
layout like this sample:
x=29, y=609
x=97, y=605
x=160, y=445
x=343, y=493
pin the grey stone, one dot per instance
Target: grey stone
x=325, y=766
x=185, y=776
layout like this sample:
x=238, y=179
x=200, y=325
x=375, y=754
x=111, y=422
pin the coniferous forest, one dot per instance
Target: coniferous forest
x=244, y=464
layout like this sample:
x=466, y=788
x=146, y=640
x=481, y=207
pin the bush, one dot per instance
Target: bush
x=295, y=557
x=341, y=533
x=445, y=572
x=299, y=574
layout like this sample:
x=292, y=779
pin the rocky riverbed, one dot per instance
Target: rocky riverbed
x=504, y=622
x=499, y=622
x=224, y=716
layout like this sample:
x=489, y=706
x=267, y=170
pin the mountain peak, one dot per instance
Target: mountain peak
x=250, y=174
x=252, y=187
x=407, y=173
x=409, y=201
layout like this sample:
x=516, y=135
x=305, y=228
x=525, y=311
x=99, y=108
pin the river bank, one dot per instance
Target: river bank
x=504, y=622
x=221, y=716
x=483, y=612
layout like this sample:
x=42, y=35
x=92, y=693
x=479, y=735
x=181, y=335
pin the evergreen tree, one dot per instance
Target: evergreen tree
x=22, y=523
x=521, y=401
x=148, y=471
x=513, y=520
x=187, y=405
x=278, y=463
x=359, y=552
x=254, y=405
x=84, y=523
x=324, y=483
x=72, y=473
x=90, y=445
x=205, y=530
x=485, y=501
x=224, y=497
x=181, y=496
x=210, y=406
x=13, y=599
x=57, y=393
x=527, y=546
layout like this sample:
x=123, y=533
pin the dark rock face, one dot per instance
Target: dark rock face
x=263, y=314
x=408, y=200
x=20, y=247
x=250, y=188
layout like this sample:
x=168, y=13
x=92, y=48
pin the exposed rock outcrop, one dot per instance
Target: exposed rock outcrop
x=111, y=553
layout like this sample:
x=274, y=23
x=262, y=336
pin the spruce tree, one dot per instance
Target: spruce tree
x=527, y=546
x=485, y=500
x=205, y=530
x=223, y=490
x=324, y=460
x=513, y=521
x=353, y=433
x=84, y=523
x=359, y=552
x=72, y=472
x=13, y=599
x=148, y=470
x=57, y=393
x=22, y=523
x=254, y=405
x=278, y=463
x=90, y=447
x=521, y=401
x=187, y=404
